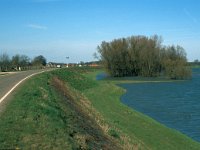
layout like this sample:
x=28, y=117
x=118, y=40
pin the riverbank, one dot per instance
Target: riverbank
x=134, y=124
x=49, y=111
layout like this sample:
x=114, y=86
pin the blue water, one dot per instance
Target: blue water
x=101, y=76
x=175, y=104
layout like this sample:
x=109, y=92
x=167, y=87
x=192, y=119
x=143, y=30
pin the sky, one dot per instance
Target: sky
x=58, y=29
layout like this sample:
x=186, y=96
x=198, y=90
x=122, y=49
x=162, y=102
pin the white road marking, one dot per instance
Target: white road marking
x=17, y=85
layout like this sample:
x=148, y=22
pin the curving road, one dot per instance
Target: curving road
x=9, y=81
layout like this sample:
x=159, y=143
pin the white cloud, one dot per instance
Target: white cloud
x=37, y=26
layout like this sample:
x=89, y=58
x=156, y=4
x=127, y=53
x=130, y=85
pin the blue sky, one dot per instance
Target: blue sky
x=74, y=28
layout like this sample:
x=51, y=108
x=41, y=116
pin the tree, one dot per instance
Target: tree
x=4, y=62
x=39, y=61
x=196, y=62
x=175, y=62
x=95, y=56
x=24, y=60
x=20, y=61
x=143, y=56
x=15, y=61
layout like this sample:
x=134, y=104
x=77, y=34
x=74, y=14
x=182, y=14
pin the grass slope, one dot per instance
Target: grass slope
x=33, y=119
x=69, y=109
x=46, y=114
x=141, y=129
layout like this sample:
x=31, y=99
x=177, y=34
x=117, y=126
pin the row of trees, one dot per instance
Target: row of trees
x=20, y=62
x=195, y=63
x=143, y=56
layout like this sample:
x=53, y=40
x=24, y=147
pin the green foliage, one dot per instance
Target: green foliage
x=39, y=61
x=143, y=56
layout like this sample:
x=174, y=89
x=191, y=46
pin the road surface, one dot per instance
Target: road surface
x=10, y=81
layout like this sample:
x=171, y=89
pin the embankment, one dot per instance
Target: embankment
x=69, y=109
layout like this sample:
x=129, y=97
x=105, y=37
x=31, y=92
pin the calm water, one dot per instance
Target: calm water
x=177, y=104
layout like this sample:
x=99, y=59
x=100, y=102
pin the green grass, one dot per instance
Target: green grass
x=195, y=66
x=75, y=78
x=44, y=115
x=34, y=119
x=40, y=118
x=142, y=130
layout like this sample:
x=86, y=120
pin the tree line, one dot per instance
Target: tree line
x=195, y=63
x=20, y=62
x=143, y=56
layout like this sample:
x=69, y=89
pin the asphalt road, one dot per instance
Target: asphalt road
x=10, y=80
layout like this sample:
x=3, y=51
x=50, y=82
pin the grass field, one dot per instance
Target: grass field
x=69, y=109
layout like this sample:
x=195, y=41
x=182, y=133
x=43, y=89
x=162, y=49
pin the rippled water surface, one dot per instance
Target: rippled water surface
x=175, y=104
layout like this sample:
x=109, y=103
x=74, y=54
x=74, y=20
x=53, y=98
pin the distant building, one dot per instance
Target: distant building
x=58, y=66
x=94, y=65
x=55, y=65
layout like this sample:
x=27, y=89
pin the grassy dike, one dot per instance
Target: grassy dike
x=69, y=109
x=141, y=129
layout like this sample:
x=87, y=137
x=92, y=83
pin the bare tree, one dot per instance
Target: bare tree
x=140, y=55
x=19, y=61
x=4, y=62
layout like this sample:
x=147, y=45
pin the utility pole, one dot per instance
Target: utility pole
x=67, y=61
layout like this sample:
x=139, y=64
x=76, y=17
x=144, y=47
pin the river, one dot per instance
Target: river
x=174, y=104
